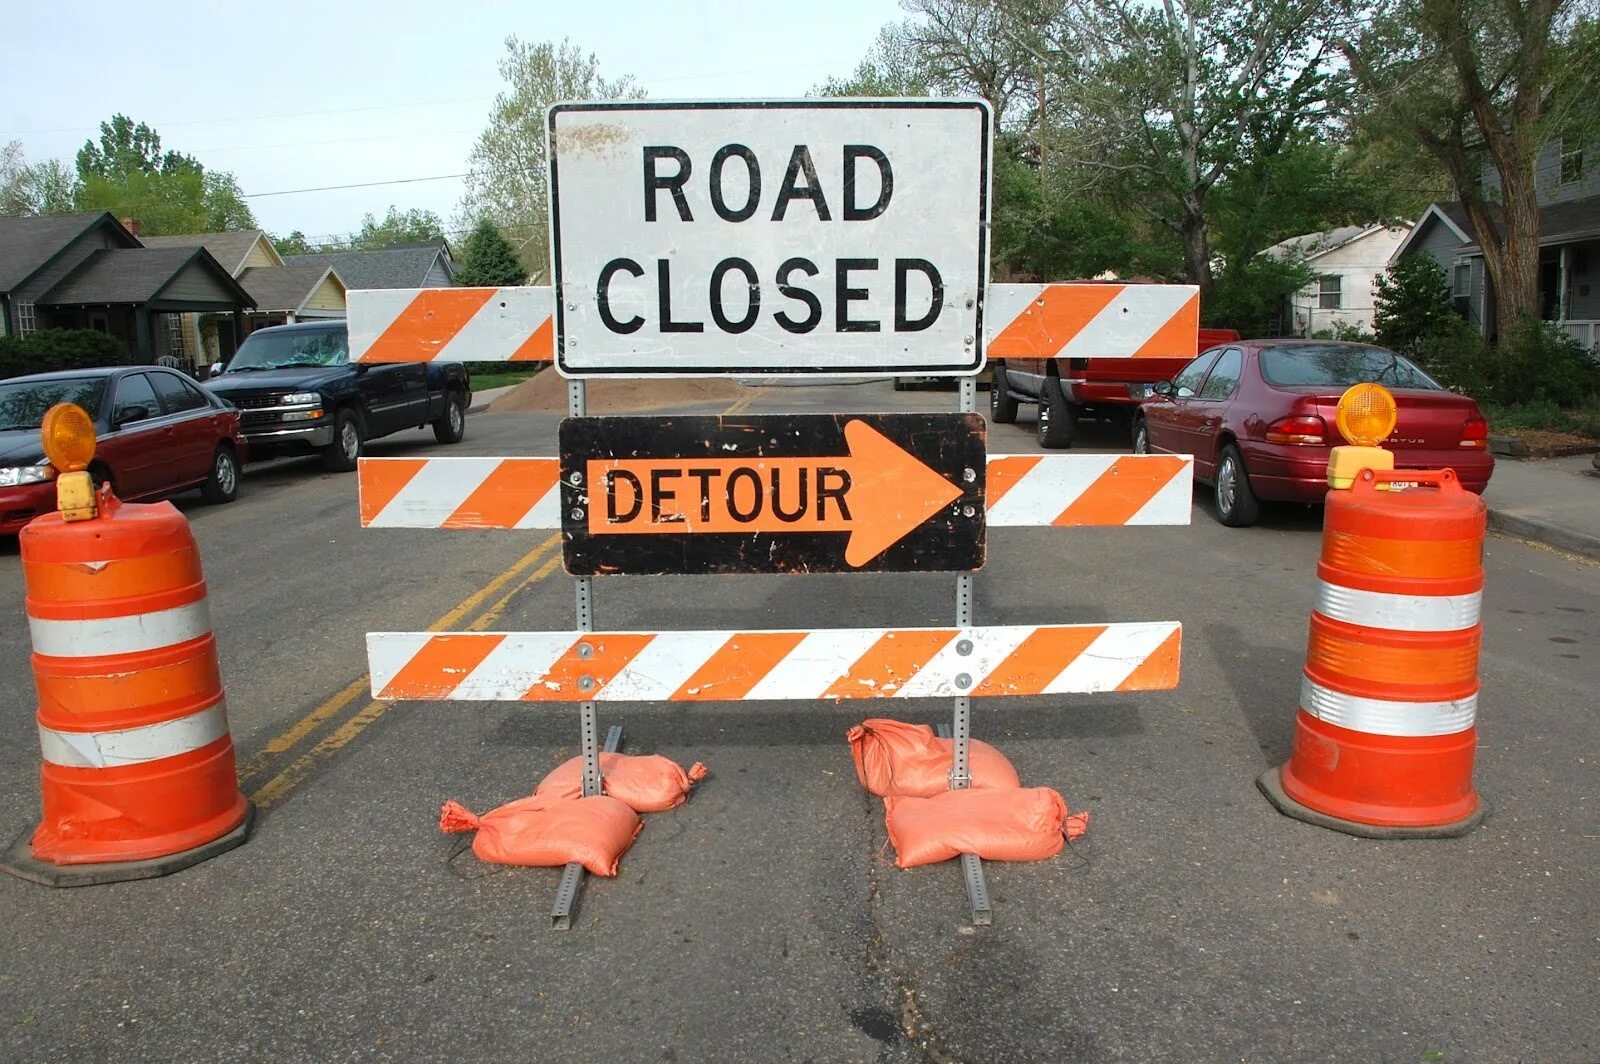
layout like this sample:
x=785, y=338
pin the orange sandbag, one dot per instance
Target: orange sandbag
x=646, y=783
x=1021, y=825
x=545, y=832
x=893, y=757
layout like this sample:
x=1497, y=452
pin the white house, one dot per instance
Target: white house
x=1346, y=261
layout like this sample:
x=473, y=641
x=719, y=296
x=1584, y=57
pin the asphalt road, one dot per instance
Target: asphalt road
x=765, y=920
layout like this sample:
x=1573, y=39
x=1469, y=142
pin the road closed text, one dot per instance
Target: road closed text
x=768, y=239
x=799, y=293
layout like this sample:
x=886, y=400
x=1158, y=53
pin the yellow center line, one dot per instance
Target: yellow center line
x=309, y=723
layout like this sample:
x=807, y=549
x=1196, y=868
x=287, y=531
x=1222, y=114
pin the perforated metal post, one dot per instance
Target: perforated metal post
x=961, y=730
x=572, y=874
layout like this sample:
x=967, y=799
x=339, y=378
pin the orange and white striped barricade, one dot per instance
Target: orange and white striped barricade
x=775, y=666
x=1092, y=320
x=138, y=775
x=515, y=324
x=1386, y=733
x=1022, y=490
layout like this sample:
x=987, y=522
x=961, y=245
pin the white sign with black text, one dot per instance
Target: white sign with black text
x=844, y=237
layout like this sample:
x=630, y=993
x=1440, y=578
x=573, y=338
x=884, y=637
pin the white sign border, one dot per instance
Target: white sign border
x=985, y=202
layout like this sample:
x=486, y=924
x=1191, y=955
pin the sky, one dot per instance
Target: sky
x=299, y=95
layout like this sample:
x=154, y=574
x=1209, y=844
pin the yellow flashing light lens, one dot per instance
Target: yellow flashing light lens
x=1367, y=415
x=68, y=437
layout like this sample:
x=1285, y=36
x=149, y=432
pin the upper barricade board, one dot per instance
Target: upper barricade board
x=842, y=237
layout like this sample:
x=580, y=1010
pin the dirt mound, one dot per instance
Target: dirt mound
x=547, y=392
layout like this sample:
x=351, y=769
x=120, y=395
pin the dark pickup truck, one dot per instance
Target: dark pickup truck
x=298, y=393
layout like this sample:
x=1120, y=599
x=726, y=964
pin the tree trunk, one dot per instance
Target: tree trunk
x=1196, y=250
x=1512, y=261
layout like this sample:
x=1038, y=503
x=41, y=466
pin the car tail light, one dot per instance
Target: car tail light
x=1307, y=430
x=1475, y=433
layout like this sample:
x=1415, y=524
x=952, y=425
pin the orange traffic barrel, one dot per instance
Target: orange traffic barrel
x=1386, y=735
x=138, y=775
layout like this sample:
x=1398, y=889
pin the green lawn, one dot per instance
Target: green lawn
x=482, y=382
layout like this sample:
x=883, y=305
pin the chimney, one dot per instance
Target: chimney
x=131, y=225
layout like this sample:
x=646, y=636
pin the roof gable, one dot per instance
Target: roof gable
x=231, y=249
x=285, y=288
x=28, y=245
x=406, y=266
x=135, y=275
x=1314, y=245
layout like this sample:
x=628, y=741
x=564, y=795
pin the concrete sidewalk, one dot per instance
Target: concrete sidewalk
x=481, y=400
x=1555, y=501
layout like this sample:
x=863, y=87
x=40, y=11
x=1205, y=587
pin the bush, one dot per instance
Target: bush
x=1537, y=362
x=54, y=349
x=1412, y=306
x=1250, y=296
x=1458, y=357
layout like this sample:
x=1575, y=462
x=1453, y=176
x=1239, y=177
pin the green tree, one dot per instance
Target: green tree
x=128, y=173
x=488, y=260
x=508, y=174
x=28, y=189
x=415, y=226
x=292, y=243
x=1411, y=305
x=1476, y=82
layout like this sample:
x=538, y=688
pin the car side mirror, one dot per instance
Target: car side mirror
x=1162, y=388
x=129, y=414
x=216, y=368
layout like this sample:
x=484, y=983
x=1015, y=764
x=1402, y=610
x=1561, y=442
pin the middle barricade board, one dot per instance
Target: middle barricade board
x=821, y=493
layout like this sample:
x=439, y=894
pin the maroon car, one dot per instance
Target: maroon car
x=1258, y=416
x=158, y=433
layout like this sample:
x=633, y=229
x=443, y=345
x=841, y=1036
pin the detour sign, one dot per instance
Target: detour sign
x=788, y=493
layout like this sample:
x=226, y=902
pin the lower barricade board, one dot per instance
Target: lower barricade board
x=842, y=663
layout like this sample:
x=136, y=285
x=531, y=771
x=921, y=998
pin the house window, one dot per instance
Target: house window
x=1571, y=164
x=1461, y=287
x=27, y=319
x=175, y=344
x=1328, y=293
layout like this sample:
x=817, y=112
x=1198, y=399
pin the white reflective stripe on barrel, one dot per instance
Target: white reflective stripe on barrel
x=1404, y=613
x=132, y=634
x=134, y=746
x=1377, y=716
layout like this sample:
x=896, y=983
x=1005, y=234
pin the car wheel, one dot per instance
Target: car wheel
x=1237, y=506
x=452, y=424
x=1054, y=428
x=223, y=483
x=1141, y=436
x=1002, y=404
x=349, y=437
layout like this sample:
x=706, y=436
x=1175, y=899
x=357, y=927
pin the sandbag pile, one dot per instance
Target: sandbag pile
x=908, y=766
x=558, y=825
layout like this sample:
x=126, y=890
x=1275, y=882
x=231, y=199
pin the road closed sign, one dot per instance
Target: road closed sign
x=844, y=237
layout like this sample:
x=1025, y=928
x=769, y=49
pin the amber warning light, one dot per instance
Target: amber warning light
x=67, y=435
x=1366, y=415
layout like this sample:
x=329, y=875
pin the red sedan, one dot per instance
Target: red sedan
x=159, y=433
x=1258, y=416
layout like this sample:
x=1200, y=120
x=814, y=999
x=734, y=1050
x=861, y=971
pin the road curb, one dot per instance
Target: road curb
x=1550, y=535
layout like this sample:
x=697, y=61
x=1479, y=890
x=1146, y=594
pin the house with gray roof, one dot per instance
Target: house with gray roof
x=1567, y=184
x=89, y=271
x=425, y=265
x=1346, y=260
x=283, y=293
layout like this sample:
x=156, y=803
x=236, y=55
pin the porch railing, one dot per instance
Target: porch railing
x=1585, y=331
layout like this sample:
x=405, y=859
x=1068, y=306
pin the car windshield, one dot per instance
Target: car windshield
x=292, y=347
x=1340, y=366
x=23, y=403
